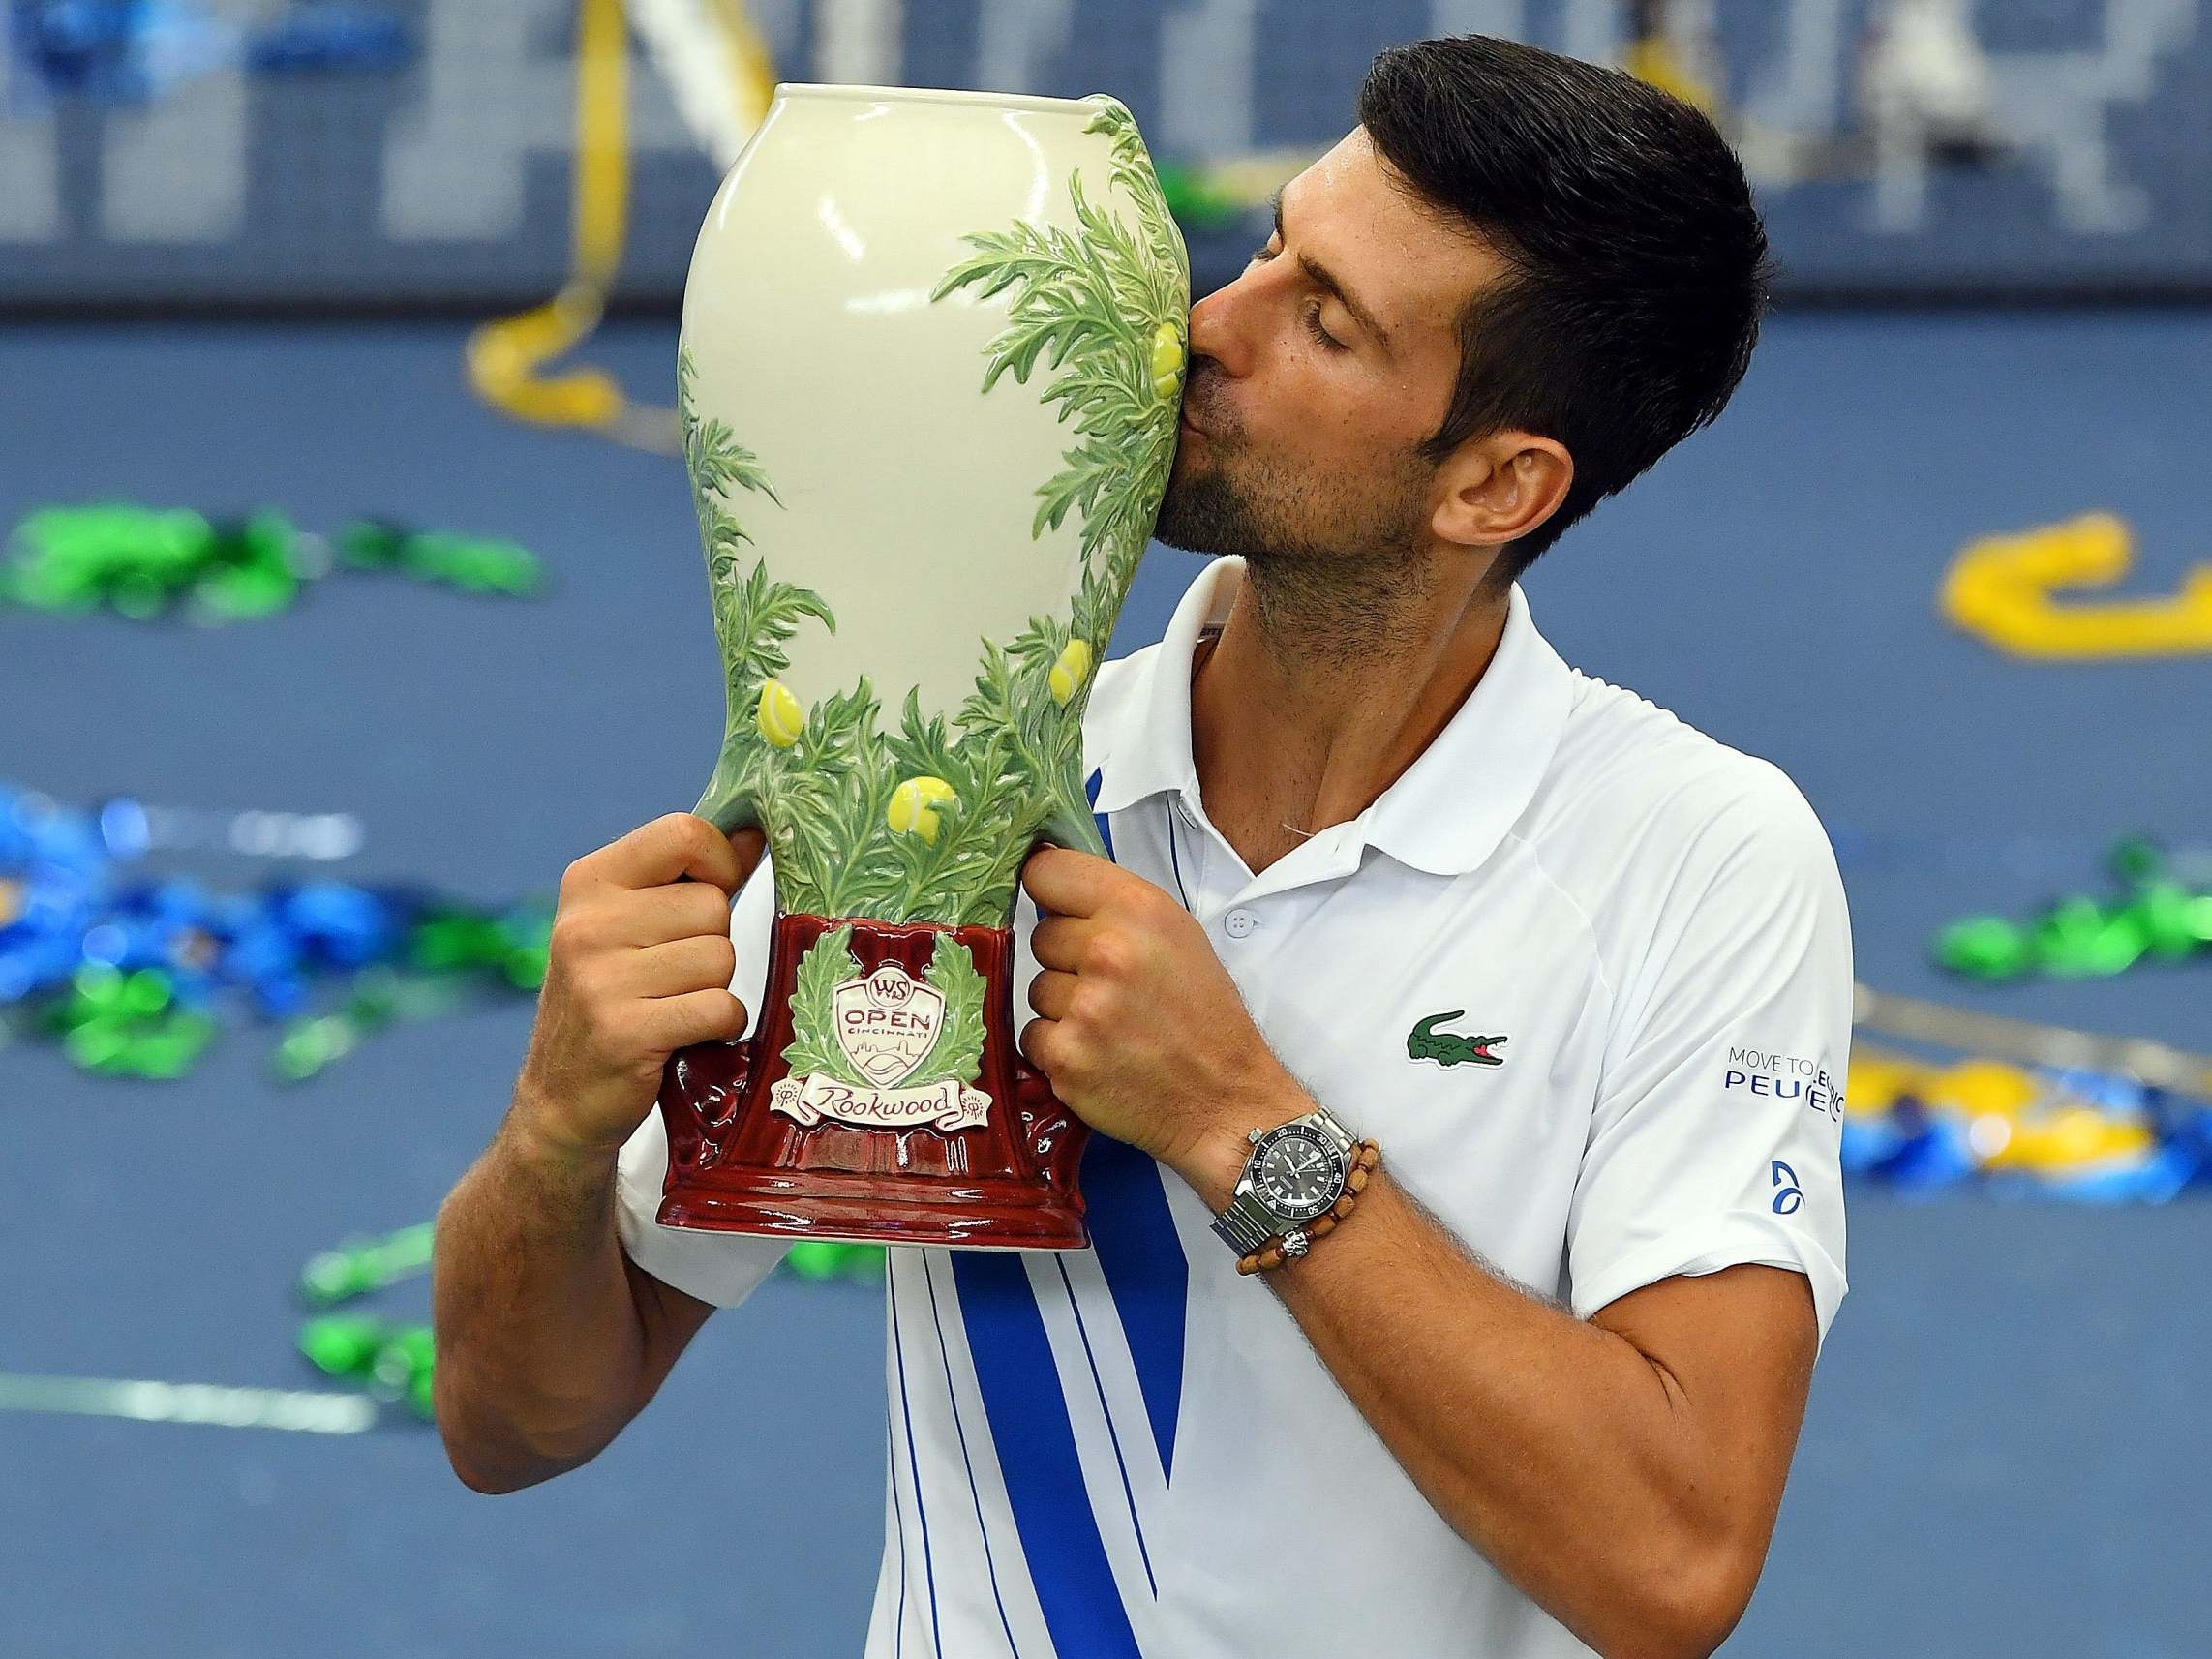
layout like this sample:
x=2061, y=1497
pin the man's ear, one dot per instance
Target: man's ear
x=1499, y=489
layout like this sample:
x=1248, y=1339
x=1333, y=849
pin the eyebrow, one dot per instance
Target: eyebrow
x=1323, y=277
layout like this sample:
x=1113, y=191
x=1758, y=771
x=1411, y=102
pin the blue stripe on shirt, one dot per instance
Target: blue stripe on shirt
x=1036, y=1445
x=1135, y=1237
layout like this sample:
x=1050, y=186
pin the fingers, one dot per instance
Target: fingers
x=676, y=968
x=638, y=966
x=671, y=847
x=1050, y=992
x=1070, y=941
x=1067, y=882
x=1037, y=1040
x=677, y=1022
x=751, y=847
x=687, y=910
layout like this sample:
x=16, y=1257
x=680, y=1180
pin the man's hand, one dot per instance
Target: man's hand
x=1141, y=1029
x=640, y=967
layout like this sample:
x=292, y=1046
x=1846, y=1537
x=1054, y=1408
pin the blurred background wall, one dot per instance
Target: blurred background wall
x=239, y=152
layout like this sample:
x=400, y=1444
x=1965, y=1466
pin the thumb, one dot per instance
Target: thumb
x=751, y=847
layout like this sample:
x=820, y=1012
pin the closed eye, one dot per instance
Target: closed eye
x=1315, y=328
x=1312, y=314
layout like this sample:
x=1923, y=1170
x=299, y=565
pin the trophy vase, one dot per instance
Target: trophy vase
x=932, y=356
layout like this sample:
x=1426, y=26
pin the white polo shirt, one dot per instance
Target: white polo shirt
x=1132, y=1450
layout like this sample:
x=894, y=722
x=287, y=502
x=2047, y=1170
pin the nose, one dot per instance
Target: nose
x=1218, y=328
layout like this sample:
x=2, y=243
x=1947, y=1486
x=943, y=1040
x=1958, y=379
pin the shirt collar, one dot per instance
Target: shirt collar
x=1444, y=814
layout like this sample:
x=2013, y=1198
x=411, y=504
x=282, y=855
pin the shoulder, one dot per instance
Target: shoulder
x=1641, y=812
x=1626, y=766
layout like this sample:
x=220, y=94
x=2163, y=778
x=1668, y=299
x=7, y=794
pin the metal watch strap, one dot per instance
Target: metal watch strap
x=1346, y=1140
x=1246, y=1225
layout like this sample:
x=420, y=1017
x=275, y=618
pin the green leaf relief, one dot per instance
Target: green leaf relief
x=1099, y=311
x=957, y=1055
x=813, y=1049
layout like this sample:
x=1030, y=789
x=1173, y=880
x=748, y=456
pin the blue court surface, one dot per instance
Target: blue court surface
x=2008, y=1446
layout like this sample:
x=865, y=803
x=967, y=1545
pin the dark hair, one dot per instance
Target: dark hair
x=1638, y=265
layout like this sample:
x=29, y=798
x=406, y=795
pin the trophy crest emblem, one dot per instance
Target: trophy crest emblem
x=882, y=1048
x=886, y=1022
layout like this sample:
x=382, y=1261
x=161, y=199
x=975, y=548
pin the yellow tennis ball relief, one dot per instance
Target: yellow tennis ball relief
x=1167, y=360
x=779, y=717
x=913, y=807
x=1070, y=669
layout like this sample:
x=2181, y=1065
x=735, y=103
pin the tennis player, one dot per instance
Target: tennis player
x=1465, y=1035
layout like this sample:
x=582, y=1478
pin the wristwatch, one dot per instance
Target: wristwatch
x=1296, y=1172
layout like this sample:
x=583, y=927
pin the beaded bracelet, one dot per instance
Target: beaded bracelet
x=1277, y=1252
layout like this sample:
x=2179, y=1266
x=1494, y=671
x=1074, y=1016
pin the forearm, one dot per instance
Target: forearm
x=541, y=1349
x=1552, y=1446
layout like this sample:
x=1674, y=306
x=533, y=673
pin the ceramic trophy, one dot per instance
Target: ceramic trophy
x=932, y=360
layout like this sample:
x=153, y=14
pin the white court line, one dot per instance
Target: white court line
x=145, y=1402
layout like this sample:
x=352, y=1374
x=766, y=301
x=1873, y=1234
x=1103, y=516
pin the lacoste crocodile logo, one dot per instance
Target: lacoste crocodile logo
x=1449, y=1047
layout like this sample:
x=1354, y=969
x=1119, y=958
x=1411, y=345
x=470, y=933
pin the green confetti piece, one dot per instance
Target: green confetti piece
x=144, y=993
x=310, y=1044
x=812, y=1259
x=332, y=1276
x=344, y=1344
x=2080, y=939
x=2164, y=911
x=360, y=1266
x=405, y=1357
x=1984, y=947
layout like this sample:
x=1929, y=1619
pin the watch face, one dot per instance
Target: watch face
x=1300, y=1172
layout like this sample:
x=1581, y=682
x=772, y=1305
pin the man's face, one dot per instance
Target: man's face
x=1318, y=374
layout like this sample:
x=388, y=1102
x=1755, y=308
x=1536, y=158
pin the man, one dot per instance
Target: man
x=1382, y=861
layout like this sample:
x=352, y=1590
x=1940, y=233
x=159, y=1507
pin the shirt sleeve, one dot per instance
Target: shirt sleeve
x=1714, y=1140
x=721, y=1268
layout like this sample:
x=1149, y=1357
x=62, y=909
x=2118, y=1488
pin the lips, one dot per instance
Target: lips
x=1200, y=386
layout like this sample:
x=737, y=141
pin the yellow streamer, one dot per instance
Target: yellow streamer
x=2002, y=590
x=1884, y=1014
x=504, y=356
x=1654, y=59
x=749, y=62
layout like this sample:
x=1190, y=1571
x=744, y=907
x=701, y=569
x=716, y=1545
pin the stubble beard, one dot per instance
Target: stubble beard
x=1333, y=575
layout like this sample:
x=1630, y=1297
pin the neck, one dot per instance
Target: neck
x=1322, y=690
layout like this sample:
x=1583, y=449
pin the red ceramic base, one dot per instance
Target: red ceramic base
x=735, y=1166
